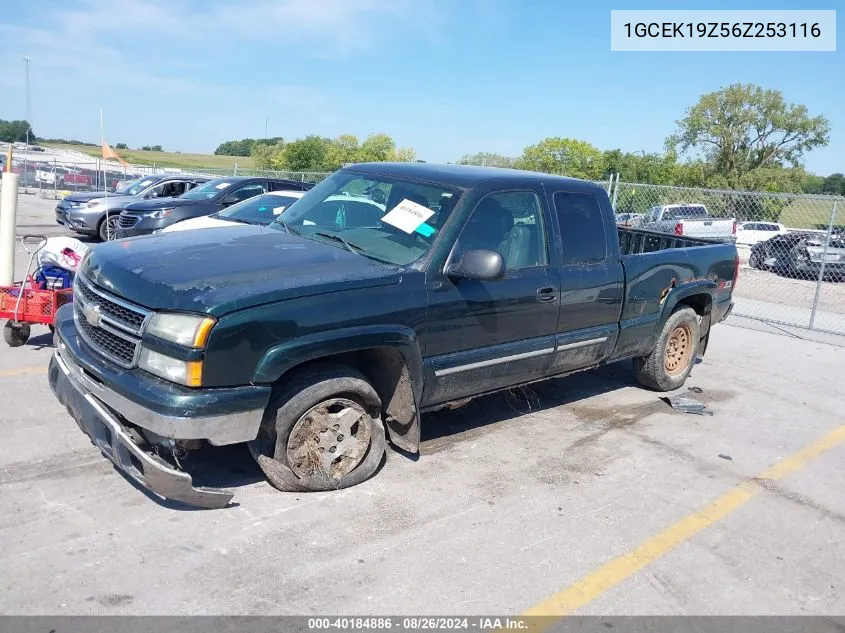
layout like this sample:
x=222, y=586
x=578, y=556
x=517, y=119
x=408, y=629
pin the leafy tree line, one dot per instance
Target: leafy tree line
x=317, y=153
x=739, y=137
x=245, y=146
x=15, y=131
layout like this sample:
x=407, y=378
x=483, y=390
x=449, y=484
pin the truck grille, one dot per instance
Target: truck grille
x=124, y=314
x=127, y=221
x=111, y=326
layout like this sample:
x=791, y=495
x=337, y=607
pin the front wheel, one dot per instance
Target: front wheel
x=672, y=359
x=110, y=225
x=323, y=431
x=754, y=260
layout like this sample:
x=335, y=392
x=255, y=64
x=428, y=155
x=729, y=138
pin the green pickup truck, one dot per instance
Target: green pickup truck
x=320, y=338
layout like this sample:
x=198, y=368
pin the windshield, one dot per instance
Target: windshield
x=258, y=210
x=209, y=190
x=384, y=218
x=134, y=187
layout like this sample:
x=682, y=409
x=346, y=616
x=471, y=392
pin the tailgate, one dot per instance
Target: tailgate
x=712, y=228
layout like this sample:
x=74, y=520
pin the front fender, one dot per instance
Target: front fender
x=399, y=383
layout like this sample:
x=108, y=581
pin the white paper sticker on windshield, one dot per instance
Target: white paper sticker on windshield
x=407, y=216
x=278, y=210
x=222, y=185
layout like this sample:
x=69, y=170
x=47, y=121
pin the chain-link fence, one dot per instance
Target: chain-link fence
x=791, y=247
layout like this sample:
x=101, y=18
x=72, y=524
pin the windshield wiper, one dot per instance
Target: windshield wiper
x=287, y=227
x=352, y=247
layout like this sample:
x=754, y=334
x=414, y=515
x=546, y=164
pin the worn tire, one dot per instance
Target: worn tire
x=299, y=395
x=101, y=229
x=754, y=260
x=16, y=334
x=652, y=370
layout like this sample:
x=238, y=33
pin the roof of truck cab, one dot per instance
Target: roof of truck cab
x=464, y=176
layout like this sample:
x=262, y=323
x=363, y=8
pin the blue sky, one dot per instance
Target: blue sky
x=445, y=77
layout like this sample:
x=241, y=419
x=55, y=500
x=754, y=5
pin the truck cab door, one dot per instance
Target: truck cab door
x=591, y=278
x=485, y=335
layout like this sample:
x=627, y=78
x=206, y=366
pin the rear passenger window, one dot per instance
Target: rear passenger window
x=581, y=227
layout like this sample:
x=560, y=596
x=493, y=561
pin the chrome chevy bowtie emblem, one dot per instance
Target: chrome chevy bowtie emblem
x=92, y=314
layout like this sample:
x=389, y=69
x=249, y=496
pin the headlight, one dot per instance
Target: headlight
x=190, y=330
x=161, y=213
x=188, y=373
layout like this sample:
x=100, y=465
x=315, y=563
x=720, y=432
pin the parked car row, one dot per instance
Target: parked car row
x=152, y=203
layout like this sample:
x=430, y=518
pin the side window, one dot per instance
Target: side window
x=156, y=192
x=581, y=227
x=173, y=188
x=510, y=223
x=284, y=186
x=245, y=193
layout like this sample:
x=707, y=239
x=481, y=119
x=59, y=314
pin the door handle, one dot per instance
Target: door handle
x=547, y=294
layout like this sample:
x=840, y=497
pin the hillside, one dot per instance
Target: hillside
x=165, y=159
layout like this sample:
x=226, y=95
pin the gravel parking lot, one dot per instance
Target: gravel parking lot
x=585, y=494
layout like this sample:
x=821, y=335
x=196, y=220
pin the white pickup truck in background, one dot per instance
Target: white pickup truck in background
x=690, y=220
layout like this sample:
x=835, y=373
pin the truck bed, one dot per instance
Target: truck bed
x=634, y=241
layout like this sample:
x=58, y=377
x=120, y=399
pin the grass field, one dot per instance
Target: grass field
x=811, y=214
x=166, y=159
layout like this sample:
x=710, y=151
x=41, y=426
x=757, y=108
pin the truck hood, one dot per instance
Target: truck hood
x=92, y=195
x=219, y=270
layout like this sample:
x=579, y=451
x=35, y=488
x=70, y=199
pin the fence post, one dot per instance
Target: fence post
x=55, y=180
x=236, y=169
x=820, y=279
x=615, y=193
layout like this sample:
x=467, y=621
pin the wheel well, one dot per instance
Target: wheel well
x=386, y=370
x=701, y=303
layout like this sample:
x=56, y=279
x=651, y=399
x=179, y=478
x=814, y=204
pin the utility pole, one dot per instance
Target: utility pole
x=266, y=122
x=26, y=61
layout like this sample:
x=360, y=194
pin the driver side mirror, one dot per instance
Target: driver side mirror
x=478, y=264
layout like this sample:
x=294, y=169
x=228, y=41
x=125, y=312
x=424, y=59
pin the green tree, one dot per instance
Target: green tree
x=744, y=128
x=15, y=132
x=487, y=159
x=834, y=184
x=268, y=156
x=403, y=155
x=306, y=154
x=376, y=148
x=121, y=146
x=564, y=156
x=341, y=151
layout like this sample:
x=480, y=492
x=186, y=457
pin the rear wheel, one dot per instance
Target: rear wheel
x=670, y=363
x=16, y=334
x=109, y=224
x=754, y=260
x=323, y=431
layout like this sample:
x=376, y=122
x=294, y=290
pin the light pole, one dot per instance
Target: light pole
x=266, y=122
x=26, y=61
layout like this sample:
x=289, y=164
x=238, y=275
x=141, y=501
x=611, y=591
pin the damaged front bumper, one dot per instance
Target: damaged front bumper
x=119, y=426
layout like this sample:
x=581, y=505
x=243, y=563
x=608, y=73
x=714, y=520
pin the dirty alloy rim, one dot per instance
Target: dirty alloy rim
x=331, y=439
x=678, y=350
x=112, y=225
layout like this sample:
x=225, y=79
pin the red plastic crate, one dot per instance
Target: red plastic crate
x=36, y=306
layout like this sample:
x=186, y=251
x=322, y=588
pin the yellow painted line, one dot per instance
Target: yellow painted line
x=22, y=371
x=614, y=572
